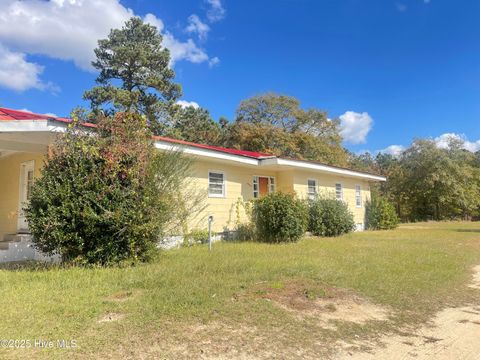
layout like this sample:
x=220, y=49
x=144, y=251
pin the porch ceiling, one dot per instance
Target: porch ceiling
x=27, y=142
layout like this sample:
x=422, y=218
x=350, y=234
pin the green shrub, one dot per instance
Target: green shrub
x=245, y=232
x=197, y=236
x=330, y=217
x=381, y=214
x=279, y=217
x=105, y=196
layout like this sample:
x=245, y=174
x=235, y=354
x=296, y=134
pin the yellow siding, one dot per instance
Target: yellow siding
x=326, y=185
x=227, y=211
x=285, y=181
x=10, y=188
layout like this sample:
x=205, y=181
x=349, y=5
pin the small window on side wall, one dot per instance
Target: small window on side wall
x=312, y=189
x=358, y=195
x=216, y=184
x=338, y=191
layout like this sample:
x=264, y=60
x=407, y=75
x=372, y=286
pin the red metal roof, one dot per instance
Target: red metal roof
x=250, y=154
x=10, y=114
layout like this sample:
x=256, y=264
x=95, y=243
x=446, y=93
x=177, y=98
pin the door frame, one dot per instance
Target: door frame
x=269, y=184
x=25, y=167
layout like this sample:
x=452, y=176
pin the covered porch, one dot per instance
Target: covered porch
x=21, y=159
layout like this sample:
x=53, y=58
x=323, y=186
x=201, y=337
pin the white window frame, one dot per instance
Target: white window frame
x=24, y=192
x=315, y=193
x=272, y=186
x=224, y=184
x=341, y=191
x=358, y=196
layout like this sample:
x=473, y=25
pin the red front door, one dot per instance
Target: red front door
x=263, y=186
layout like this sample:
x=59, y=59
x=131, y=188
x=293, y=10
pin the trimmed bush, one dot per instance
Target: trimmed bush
x=381, y=214
x=330, y=217
x=279, y=217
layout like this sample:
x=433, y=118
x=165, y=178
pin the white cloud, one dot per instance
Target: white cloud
x=216, y=12
x=154, y=21
x=394, y=150
x=196, y=26
x=17, y=73
x=184, y=104
x=443, y=141
x=46, y=114
x=69, y=30
x=213, y=62
x=186, y=50
x=354, y=127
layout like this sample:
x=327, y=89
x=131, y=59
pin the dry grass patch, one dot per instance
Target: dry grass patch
x=475, y=284
x=124, y=295
x=249, y=300
x=111, y=317
x=324, y=304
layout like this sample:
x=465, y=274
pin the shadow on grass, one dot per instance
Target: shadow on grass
x=467, y=230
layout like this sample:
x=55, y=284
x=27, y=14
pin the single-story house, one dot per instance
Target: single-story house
x=228, y=176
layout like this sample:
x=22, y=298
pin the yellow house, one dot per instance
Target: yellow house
x=228, y=177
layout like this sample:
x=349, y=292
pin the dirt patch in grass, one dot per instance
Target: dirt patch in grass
x=122, y=296
x=325, y=304
x=452, y=334
x=111, y=317
x=475, y=284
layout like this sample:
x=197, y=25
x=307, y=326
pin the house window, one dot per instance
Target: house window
x=29, y=184
x=216, y=184
x=271, y=184
x=338, y=191
x=312, y=188
x=358, y=195
x=256, y=191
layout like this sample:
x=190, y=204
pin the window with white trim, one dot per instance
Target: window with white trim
x=338, y=191
x=271, y=184
x=358, y=195
x=311, y=188
x=256, y=189
x=216, y=184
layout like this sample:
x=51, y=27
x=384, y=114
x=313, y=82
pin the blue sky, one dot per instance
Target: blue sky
x=392, y=70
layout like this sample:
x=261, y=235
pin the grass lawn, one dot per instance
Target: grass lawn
x=235, y=301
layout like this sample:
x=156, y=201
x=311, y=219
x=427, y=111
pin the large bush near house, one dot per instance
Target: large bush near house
x=330, y=217
x=279, y=217
x=381, y=214
x=106, y=195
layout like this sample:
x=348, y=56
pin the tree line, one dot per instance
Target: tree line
x=428, y=182
x=424, y=182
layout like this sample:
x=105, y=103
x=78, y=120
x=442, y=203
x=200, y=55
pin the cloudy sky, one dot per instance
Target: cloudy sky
x=389, y=70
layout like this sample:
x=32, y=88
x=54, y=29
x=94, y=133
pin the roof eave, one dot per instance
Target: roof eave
x=306, y=165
